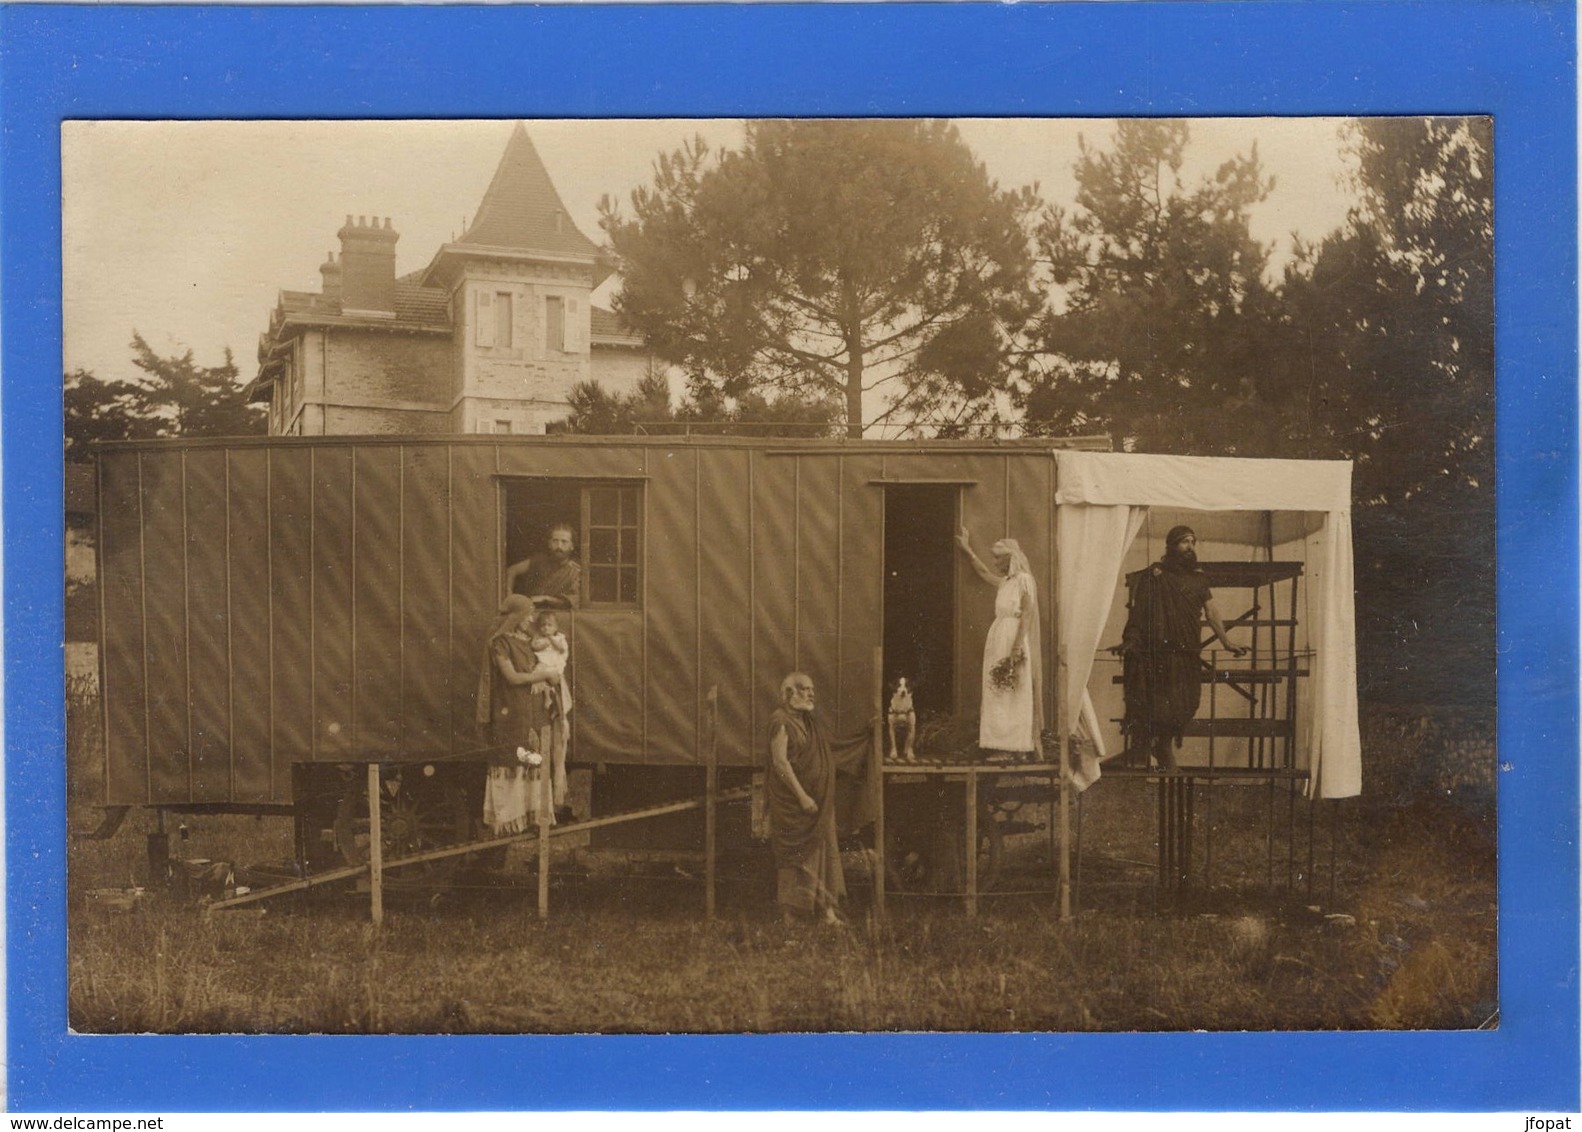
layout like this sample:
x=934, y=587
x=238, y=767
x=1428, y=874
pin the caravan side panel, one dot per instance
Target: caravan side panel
x=724, y=581
x=124, y=685
x=861, y=589
x=670, y=605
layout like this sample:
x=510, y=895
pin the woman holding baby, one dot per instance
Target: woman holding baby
x=523, y=703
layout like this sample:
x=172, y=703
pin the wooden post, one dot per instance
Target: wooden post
x=1062, y=733
x=876, y=764
x=711, y=794
x=545, y=812
x=376, y=849
x=972, y=842
x=1063, y=746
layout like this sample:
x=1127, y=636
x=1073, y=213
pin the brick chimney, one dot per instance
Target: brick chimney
x=368, y=265
x=332, y=277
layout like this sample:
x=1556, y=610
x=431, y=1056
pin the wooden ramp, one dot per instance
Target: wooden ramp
x=544, y=834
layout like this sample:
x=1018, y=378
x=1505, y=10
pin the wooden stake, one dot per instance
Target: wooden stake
x=1063, y=744
x=972, y=842
x=876, y=769
x=711, y=795
x=545, y=811
x=376, y=854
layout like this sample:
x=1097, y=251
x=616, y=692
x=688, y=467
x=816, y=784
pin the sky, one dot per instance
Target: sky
x=186, y=231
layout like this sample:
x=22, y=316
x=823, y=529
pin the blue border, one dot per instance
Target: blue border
x=1512, y=59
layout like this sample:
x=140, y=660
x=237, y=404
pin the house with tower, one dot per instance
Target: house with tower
x=489, y=337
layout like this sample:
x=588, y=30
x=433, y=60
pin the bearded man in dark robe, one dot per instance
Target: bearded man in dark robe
x=800, y=792
x=553, y=579
x=1161, y=671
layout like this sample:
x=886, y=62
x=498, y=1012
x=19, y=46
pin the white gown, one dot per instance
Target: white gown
x=1006, y=722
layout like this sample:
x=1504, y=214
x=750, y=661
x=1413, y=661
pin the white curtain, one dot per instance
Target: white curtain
x=1090, y=544
x=1330, y=732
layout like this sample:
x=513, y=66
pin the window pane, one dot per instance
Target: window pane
x=601, y=546
x=629, y=584
x=604, y=506
x=601, y=584
x=629, y=506
x=628, y=546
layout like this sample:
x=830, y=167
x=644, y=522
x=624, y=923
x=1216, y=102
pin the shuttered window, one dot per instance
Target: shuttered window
x=555, y=323
x=502, y=319
x=483, y=325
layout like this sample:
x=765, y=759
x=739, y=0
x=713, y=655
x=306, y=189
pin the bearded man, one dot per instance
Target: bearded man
x=552, y=580
x=1162, y=674
x=800, y=794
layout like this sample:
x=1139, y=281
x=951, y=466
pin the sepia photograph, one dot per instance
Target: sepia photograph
x=780, y=575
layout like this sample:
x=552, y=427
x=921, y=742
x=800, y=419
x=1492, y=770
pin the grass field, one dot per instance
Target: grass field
x=1406, y=941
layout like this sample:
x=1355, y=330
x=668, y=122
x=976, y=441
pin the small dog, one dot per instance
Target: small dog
x=901, y=715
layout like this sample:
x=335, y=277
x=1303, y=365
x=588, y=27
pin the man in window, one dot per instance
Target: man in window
x=553, y=579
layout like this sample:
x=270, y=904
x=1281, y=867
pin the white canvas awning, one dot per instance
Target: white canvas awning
x=1102, y=499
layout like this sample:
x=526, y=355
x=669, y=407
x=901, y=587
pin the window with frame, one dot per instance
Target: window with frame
x=555, y=323
x=502, y=319
x=607, y=517
x=610, y=518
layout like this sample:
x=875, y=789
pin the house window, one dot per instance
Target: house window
x=494, y=322
x=502, y=320
x=555, y=323
x=503, y=427
x=607, y=522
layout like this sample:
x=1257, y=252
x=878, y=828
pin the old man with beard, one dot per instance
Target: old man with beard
x=801, y=801
x=1161, y=671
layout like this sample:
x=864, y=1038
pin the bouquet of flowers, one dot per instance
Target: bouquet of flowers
x=1007, y=671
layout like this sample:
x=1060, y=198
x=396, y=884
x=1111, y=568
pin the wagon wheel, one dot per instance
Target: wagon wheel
x=412, y=818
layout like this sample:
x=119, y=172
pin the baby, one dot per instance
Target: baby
x=549, y=649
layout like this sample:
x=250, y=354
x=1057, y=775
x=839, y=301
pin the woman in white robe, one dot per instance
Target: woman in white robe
x=1011, y=716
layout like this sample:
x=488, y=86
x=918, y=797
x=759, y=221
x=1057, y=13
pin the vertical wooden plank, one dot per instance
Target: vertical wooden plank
x=207, y=569
x=334, y=617
x=376, y=861
x=1062, y=724
x=545, y=812
x=876, y=769
x=291, y=651
x=972, y=841
x=711, y=791
x=165, y=605
x=249, y=610
x=123, y=674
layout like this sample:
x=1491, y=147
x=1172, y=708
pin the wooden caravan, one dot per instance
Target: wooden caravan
x=276, y=605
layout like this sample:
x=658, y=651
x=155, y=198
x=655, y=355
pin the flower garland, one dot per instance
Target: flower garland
x=1006, y=673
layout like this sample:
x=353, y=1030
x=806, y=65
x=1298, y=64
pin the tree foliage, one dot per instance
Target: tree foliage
x=1162, y=321
x=173, y=396
x=647, y=409
x=1392, y=318
x=1393, y=315
x=873, y=262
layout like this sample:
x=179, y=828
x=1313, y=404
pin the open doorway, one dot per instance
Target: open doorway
x=920, y=593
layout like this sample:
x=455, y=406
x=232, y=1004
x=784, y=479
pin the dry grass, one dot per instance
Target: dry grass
x=1408, y=941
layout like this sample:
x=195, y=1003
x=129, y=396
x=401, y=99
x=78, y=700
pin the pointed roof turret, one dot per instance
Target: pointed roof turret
x=521, y=209
x=521, y=217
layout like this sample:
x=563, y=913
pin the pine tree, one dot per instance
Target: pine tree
x=872, y=262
